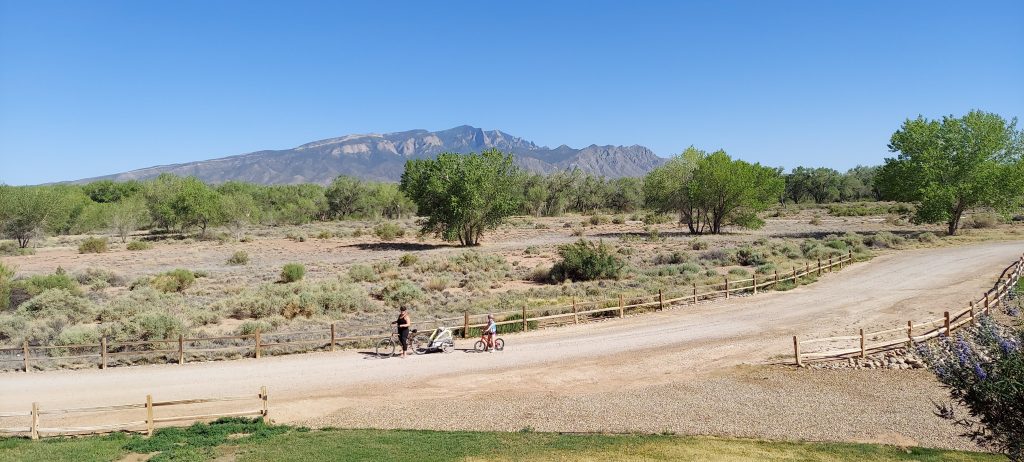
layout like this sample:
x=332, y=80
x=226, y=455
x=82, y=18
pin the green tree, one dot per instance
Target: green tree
x=238, y=211
x=26, y=211
x=127, y=216
x=347, y=197
x=107, y=191
x=463, y=195
x=625, y=194
x=197, y=204
x=948, y=166
x=160, y=194
x=733, y=191
x=667, y=189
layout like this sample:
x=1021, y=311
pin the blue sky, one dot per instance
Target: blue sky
x=95, y=87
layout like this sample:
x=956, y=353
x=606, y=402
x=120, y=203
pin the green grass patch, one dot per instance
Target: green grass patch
x=252, y=440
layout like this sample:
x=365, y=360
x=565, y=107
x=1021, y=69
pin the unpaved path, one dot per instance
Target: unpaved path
x=697, y=369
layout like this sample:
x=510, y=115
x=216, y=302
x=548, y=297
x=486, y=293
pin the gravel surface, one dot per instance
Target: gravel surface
x=698, y=369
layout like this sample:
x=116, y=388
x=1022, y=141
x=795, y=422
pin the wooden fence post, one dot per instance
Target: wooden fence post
x=726, y=286
x=694, y=293
x=333, y=337
x=263, y=398
x=257, y=337
x=862, y=343
x=24, y=358
x=103, y=352
x=622, y=309
x=985, y=311
x=972, y=313
x=575, y=317
x=526, y=326
x=830, y=267
x=35, y=421
x=181, y=349
x=796, y=281
x=149, y=415
x=661, y=300
x=807, y=268
x=946, y=316
x=776, y=287
x=753, y=279
x=796, y=352
x=819, y=267
x=910, y=334
x=465, y=324
x=849, y=257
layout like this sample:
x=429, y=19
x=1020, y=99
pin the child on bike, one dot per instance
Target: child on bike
x=490, y=333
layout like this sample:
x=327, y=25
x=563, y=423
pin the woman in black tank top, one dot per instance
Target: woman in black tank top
x=403, y=324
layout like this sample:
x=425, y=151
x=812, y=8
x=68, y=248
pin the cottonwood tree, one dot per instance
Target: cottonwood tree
x=951, y=165
x=26, y=211
x=127, y=216
x=238, y=210
x=462, y=196
x=709, y=191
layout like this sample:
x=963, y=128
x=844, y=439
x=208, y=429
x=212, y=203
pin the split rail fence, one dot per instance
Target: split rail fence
x=865, y=343
x=146, y=422
x=256, y=345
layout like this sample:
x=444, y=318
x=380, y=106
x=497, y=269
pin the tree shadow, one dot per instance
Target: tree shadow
x=402, y=246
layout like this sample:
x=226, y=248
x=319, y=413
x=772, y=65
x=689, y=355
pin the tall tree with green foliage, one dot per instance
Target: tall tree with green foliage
x=197, y=204
x=951, y=165
x=463, y=195
x=127, y=216
x=26, y=211
x=667, y=188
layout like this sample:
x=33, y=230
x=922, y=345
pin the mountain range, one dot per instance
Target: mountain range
x=382, y=157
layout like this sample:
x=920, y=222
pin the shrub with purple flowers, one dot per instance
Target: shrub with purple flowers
x=983, y=368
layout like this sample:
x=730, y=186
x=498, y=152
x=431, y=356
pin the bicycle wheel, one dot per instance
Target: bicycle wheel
x=480, y=346
x=499, y=344
x=385, y=348
x=418, y=343
x=448, y=347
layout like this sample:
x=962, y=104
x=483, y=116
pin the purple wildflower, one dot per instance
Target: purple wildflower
x=979, y=372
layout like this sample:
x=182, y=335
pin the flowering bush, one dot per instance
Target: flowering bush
x=983, y=368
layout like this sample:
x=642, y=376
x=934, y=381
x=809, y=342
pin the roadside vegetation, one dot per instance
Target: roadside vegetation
x=252, y=440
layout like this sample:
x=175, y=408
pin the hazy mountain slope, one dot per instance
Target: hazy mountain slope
x=383, y=156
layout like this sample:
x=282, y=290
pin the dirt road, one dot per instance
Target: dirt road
x=698, y=369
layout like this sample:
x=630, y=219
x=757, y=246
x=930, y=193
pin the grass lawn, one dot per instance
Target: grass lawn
x=243, y=440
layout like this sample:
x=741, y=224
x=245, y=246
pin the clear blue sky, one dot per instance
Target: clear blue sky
x=95, y=87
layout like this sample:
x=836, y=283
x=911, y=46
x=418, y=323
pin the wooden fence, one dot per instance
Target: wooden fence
x=146, y=421
x=865, y=343
x=255, y=345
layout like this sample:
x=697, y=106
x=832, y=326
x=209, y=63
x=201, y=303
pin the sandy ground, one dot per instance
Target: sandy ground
x=702, y=369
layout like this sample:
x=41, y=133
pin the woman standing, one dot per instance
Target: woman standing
x=403, y=324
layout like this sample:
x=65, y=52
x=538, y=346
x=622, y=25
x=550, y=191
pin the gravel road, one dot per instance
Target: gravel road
x=704, y=369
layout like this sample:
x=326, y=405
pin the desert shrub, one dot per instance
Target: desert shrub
x=927, y=238
x=619, y=220
x=11, y=249
x=362, y=273
x=6, y=275
x=587, y=261
x=739, y=272
x=292, y=272
x=138, y=245
x=439, y=284
x=577, y=232
x=176, y=280
x=751, y=256
x=99, y=278
x=251, y=326
x=883, y=239
x=698, y=244
x=815, y=220
x=532, y=250
x=334, y=300
x=82, y=334
x=297, y=237
x=718, y=257
x=653, y=235
x=388, y=231
x=324, y=235
x=400, y=293
x=815, y=250
x=58, y=305
x=656, y=218
x=599, y=220
x=11, y=328
x=357, y=233
x=239, y=258
x=21, y=290
x=149, y=325
x=408, y=260
x=204, y=317
x=540, y=273
x=767, y=268
x=673, y=258
x=93, y=245
x=983, y=368
x=690, y=267
x=982, y=221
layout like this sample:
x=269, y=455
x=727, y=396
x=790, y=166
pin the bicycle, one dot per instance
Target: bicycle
x=481, y=345
x=386, y=347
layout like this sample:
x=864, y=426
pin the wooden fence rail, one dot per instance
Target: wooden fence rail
x=914, y=331
x=254, y=345
x=147, y=423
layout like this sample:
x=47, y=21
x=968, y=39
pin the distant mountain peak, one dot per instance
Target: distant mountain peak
x=382, y=157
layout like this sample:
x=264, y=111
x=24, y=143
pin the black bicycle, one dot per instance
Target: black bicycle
x=387, y=347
